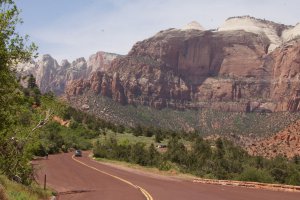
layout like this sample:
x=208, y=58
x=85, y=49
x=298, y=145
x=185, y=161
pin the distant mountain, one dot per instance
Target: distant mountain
x=246, y=65
x=51, y=76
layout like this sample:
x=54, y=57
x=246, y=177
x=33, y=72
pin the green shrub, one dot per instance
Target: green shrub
x=293, y=179
x=255, y=175
x=138, y=154
x=165, y=165
x=279, y=175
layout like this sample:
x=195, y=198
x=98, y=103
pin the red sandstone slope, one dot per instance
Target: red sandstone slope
x=286, y=143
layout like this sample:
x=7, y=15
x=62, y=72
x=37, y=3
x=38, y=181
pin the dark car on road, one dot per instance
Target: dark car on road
x=78, y=153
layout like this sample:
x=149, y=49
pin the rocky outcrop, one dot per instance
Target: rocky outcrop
x=117, y=89
x=51, y=76
x=100, y=84
x=294, y=103
x=286, y=74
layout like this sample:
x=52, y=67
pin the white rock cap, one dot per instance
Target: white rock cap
x=291, y=33
x=194, y=26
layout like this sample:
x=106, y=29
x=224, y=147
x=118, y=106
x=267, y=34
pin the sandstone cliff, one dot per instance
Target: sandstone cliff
x=231, y=69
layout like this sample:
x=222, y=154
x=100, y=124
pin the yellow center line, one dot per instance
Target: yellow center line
x=145, y=193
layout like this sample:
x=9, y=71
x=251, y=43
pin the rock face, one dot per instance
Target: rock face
x=235, y=68
x=51, y=76
x=286, y=75
x=294, y=103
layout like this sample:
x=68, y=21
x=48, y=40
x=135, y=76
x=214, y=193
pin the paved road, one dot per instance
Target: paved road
x=82, y=178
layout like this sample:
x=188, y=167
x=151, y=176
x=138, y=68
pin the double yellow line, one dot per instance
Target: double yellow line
x=145, y=193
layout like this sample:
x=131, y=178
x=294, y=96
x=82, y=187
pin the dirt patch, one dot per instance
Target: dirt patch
x=62, y=122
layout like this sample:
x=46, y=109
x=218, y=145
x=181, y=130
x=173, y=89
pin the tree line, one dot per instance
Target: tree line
x=220, y=159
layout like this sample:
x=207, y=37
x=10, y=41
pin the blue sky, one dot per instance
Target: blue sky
x=78, y=28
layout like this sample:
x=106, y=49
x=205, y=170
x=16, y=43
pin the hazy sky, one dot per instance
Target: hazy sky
x=78, y=28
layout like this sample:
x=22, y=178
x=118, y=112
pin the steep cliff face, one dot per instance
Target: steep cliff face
x=184, y=68
x=286, y=75
x=246, y=65
x=294, y=102
x=51, y=76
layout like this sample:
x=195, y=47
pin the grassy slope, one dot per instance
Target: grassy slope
x=14, y=191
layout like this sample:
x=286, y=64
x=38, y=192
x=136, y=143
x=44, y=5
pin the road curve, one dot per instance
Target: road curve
x=87, y=179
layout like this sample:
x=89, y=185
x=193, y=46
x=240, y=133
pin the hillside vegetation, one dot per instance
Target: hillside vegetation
x=205, y=121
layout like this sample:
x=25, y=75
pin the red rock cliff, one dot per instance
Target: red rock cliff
x=225, y=70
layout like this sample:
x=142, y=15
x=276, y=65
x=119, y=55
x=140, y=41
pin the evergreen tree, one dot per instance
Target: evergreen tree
x=138, y=130
x=31, y=82
x=158, y=136
x=153, y=156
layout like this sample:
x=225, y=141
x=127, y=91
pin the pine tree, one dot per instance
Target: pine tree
x=31, y=82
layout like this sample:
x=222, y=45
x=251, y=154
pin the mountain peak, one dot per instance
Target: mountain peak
x=194, y=25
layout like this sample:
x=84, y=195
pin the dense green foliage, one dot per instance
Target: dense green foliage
x=76, y=132
x=220, y=159
x=37, y=133
x=13, y=49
